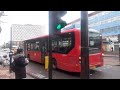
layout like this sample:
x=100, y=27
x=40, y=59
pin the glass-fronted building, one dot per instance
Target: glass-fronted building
x=107, y=22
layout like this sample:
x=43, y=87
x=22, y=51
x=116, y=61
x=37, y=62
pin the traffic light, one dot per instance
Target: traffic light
x=55, y=21
x=59, y=22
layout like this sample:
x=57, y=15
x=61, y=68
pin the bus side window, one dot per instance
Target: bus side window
x=54, y=45
x=65, y=43
x=32, y=46
x=28, y=47
x=37, y=47
x=46, y=47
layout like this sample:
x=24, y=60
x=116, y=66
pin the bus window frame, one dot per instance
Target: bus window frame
x=58, y=37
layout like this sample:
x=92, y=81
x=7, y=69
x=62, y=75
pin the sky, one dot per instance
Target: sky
x=29, y=17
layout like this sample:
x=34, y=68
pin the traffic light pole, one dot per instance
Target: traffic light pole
x=55, y=26
x=84, y=46
x=51, y=31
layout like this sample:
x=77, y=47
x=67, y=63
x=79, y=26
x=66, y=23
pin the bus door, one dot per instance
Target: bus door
x=43, y=51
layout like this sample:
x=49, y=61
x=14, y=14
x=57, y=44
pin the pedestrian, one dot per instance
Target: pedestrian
x=20, y=63
x=112, y=49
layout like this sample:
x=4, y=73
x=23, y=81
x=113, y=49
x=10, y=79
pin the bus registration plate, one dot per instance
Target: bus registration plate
x=92, y=67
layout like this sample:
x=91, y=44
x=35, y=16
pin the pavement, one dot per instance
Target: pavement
x=113, y=61
x=5, y=74
x=111, y=54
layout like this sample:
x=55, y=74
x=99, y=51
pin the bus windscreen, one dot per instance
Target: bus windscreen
x=94, y=42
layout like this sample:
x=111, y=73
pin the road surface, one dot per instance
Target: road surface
x=110, y=70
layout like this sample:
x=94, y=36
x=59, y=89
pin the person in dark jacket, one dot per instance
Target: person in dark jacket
x=20, y=64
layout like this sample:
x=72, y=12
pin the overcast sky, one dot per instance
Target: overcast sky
x=29, y=17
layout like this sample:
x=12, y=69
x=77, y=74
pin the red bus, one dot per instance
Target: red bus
x=66, y=48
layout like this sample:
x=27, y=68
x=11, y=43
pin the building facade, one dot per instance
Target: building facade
x=107, y=22
x=24, y=32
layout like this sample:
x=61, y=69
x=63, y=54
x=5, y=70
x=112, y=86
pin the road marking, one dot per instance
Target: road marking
x=38, y=75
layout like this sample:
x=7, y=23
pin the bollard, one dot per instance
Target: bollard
x=46, y=62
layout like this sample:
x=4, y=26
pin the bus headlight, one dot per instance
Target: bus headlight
x=79, y=59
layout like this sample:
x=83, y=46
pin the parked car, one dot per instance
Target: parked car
x=6, y=50
x=0, y=60
x=4, y=60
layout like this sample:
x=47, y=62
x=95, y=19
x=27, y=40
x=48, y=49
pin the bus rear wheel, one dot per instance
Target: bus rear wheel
x=28, y=56
x=54, y=64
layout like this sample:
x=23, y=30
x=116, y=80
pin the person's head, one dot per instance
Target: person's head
x=19, y=51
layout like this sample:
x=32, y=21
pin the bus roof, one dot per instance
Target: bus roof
x=65, y=31
x=91, y=30
x=37, y=37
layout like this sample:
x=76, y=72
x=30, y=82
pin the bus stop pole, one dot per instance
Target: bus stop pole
x=84, y=46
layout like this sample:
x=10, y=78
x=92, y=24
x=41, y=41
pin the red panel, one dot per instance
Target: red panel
x=70, y=62
x=35, y=56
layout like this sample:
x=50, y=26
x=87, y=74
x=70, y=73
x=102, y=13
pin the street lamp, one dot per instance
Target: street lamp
x=10, y=55
x=2, y=14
